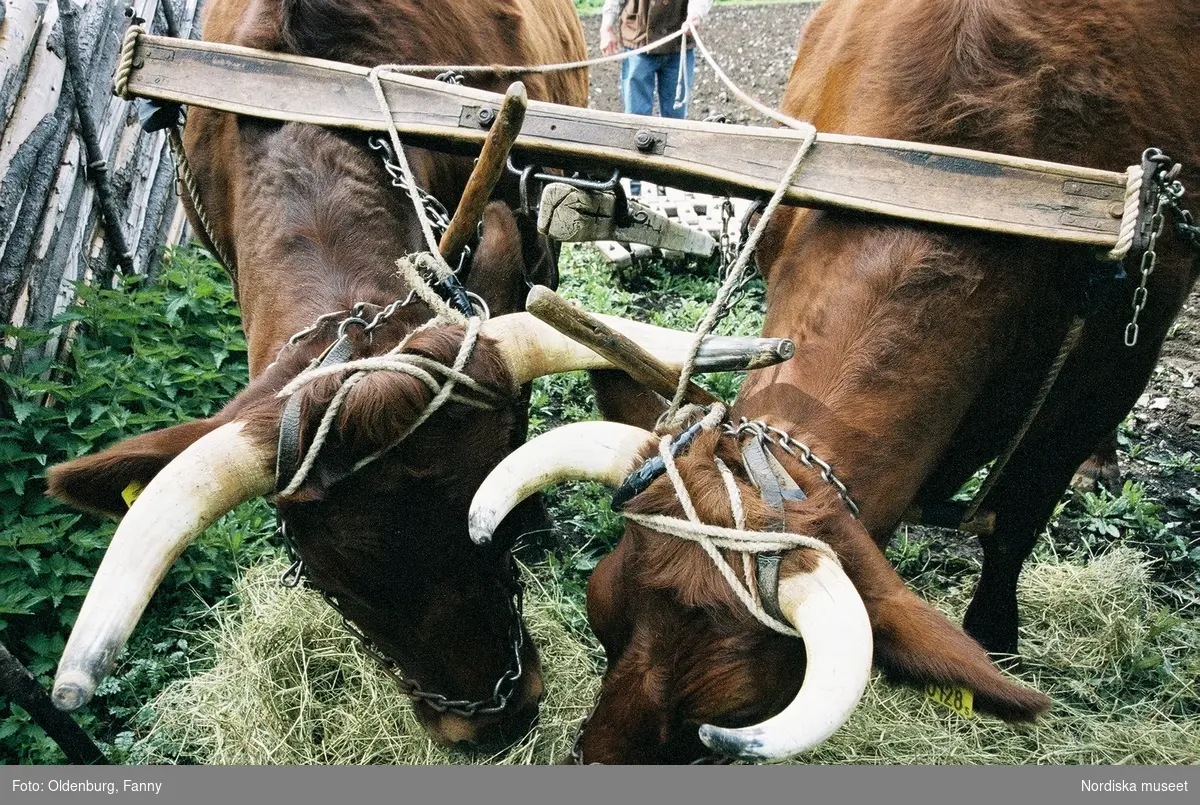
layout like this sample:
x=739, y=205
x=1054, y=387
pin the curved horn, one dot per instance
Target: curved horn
x=826, y=609
x=593, y=451
x=216, y=473
x=532, y=348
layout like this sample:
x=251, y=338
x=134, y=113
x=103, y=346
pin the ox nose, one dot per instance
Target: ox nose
x=487, y=733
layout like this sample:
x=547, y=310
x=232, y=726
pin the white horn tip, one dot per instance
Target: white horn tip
x=828, y=612
x=73, y=689
x=730, y=743
x=480, y=526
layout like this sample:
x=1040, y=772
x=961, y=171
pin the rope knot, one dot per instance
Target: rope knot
x=713, y=539
x=442, y=381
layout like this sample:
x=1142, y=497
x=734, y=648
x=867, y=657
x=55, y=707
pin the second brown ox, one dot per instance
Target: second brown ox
x=919, y=351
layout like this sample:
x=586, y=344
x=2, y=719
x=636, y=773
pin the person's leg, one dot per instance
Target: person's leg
x=668, y=81
x=637, y=84
x=621, y=82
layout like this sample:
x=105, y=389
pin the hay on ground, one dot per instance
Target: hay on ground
x=289, y=687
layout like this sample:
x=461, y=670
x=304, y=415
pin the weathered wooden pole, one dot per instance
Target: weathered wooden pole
x=21, y=688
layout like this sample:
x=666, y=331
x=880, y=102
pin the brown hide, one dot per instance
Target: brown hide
x=314, y=226
x=919, y=350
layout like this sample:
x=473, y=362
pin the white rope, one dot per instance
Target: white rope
x=407, y=266
x=683, y=87
x=421, y=368
x=734, y=277
x=739, y=522
x=713, y=538
x=742, y=96
x=515, y=69
x=436, y=262
x=125, y=60
x=416, y=366
x=1134, y=176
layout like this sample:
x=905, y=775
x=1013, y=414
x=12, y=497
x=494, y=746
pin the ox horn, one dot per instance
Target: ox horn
x=591, y=451
x=532, y=348
x=828, y=612
x=213, y=475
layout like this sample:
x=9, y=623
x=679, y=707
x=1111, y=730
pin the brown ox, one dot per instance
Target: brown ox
x=919, y=352
x=313, y=225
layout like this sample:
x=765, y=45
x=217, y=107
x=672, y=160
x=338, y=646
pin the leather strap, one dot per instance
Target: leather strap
x=775, y=486
x=287, y=456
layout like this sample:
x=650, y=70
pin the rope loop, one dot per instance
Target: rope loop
x=713, y=539
x=1134, y=177
x=442, y=381
x=125, y=61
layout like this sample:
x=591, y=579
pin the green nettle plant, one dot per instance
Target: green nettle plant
x=142, y=356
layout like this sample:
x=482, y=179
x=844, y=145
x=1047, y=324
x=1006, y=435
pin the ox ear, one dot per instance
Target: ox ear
x=96, y=483
x=510, y=257
x=916, y=644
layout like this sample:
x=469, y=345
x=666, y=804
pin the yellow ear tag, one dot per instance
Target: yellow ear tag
x=131, y=492
x=960, y=700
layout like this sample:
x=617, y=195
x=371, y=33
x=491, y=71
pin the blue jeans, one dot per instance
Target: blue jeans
x=640, y=75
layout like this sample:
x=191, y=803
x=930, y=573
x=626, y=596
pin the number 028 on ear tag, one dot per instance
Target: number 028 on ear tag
x=959, y=700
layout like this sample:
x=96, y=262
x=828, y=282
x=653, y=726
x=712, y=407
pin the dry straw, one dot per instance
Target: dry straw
x=288, y=686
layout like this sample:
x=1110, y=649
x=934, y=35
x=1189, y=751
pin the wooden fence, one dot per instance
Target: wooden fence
x=61, y=131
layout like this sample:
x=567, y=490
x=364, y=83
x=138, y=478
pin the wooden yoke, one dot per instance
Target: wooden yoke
x=911, y=181
x=623, y=353
x=505, y=127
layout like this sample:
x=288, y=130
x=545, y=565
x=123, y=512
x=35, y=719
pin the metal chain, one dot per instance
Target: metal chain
x=805, y=456
x=296, y=573
x=439, y=218
x=502, y=691
x=1185, y=224
x=1148, y=262
x=728, y=254
x=798, y=450
x=1168, y=194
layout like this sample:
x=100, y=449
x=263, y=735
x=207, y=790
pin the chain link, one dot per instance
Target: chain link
x=1148, y=262
x=439, y=218
x=798, y=450
x=502, y=691
x=1185, y=223
x=296, y=573
x=728, y=252
x=1167, y=194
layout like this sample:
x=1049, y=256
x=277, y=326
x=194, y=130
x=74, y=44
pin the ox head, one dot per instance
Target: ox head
x=690, y=671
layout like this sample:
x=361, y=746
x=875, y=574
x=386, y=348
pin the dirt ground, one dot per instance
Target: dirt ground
x=756, y=45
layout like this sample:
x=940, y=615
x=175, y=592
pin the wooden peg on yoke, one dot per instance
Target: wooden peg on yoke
x=488, y=169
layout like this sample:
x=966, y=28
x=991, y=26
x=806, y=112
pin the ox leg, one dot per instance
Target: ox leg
x=1023, y=499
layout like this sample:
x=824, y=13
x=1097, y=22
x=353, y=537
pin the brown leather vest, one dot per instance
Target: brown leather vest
x=644, y=21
